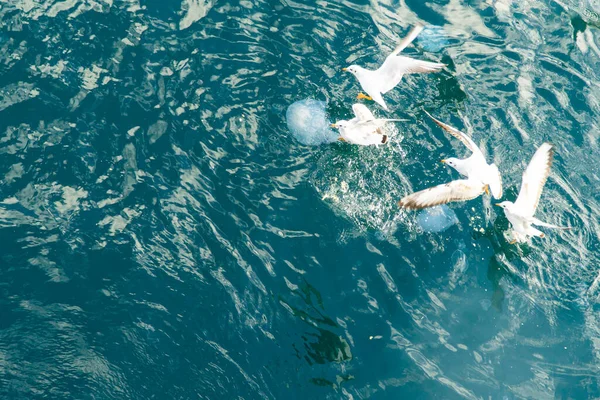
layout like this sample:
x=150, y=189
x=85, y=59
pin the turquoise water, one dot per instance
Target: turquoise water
x=163, y=235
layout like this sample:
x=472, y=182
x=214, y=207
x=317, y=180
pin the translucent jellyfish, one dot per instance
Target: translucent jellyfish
x=433, y=38
x=307, y=120
x=436, y=219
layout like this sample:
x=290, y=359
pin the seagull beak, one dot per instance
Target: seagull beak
x=364, y=96
x=333, y=126
x=443, y=161
x=341, y=139
x=497, y=205
x=487, y=189
x=345, y=69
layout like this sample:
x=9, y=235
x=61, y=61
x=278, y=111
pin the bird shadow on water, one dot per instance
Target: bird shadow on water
x=587, y=13
x=320, y=343
x=504, y=255
x=448, y=85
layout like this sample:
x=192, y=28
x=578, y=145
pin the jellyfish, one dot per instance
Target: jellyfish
x=436, y=219
x=433, y=38
x=307, y=120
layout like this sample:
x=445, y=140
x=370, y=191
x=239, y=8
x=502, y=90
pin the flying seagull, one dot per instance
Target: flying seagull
x=520, y=213
x=378, y=82
x=480, y=176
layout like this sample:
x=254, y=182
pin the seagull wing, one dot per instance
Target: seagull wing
x=412, y=35
x=495, y=181
x=379, y=122
x=363, y=129
x=536, y=221
x=534, y=179
x=459, y=190
x=394, y=68
x=463, y=137
x=364, y=133
x=362, y=112
x=373, y=126
x=412, y=66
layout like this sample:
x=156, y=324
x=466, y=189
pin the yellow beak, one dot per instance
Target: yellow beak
x=344, y=69
x=487, y=189
x=443, y=161
x=333, y=126
x=497, y=205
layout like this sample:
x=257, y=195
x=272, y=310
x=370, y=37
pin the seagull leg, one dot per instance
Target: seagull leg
x=513, y=241
x=364, y=96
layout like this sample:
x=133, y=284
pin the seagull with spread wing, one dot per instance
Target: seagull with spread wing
x=480, y=176
x=520, y=213
x=364, y=128
x=378, y=82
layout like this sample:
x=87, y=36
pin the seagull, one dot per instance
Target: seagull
x=475, y=166
x=481, y=177
x=378, y=82
x=520, y=213
x=364, y=128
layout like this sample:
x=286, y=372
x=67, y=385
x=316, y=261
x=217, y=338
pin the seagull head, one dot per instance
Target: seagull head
x=353, y=69
x=504, y=204
x=340, y=124
x=453, y=162
x=458, y=164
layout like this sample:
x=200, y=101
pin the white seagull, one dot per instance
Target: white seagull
x=480, y=176
x=520, y=213
x=378, y=82
x=364, y=128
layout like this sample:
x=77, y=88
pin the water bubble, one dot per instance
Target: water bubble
x=436, y=219
x=307, y=120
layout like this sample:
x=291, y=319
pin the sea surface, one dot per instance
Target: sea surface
x=163, y=235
